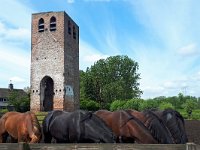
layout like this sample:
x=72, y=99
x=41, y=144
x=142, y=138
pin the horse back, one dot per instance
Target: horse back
x=49, y=118
x=106, y=116
x=13, y=121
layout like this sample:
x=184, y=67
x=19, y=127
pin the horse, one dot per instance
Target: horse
x=23, y=127
x=175, y=123
x=127, y=128
x=155, y=125
x=76, y=127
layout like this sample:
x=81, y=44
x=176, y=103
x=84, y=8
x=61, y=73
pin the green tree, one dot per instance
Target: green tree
x=117, y=105
x=112, y=79
x=21, y=102
x=89, y=105
x=133, y=104
x=149, y=104
x=165, y=105
x=190, y=105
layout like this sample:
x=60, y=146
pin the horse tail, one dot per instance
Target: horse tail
x=33, y=127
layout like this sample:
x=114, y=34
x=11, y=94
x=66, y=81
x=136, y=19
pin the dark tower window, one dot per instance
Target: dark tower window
x=69, y=27
x=41, y=25
x=52, y=24
x=74, y=32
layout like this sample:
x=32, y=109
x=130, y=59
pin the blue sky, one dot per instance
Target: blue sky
x=162, y=36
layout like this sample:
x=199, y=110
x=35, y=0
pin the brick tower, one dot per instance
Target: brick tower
x=54, y=62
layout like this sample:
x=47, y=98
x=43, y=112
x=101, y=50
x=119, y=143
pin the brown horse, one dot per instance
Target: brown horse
x=23, y=127
x=127, y=128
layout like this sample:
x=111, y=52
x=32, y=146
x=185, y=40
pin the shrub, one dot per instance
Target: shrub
x=133, y=104
x=2, y=111
x=165, y=105
x=89, y=105
x=117, y=105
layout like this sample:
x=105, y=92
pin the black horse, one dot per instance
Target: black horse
x=175, y=124
x=76, y=127
x=158, y=128
x=154, y=124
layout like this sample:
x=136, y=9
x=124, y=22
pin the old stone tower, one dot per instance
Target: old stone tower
x=54, y=62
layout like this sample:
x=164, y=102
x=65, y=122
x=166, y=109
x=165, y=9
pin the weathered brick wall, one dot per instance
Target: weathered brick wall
x=72, y=62
x=55, y=54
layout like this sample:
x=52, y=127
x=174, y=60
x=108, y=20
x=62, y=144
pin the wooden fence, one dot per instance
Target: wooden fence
x=24, y=146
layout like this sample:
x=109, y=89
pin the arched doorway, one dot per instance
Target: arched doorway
x=46, y=94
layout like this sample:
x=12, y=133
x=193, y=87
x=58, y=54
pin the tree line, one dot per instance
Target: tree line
x=113, y=84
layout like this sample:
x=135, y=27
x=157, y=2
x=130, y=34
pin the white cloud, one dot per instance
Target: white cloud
x=16, y=34
x=97, y=0
x=16, y=79
x=15, y=13
x=170, y=85
x=88, y=55
x=14, y=57
x=70, y=1
x=111, y=42
x=189, y=50
x=94, y=57
x=171, y=24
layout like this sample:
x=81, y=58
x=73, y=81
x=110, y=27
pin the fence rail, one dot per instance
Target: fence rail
x=42, y=146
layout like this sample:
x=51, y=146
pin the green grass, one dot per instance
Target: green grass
x=40, y=116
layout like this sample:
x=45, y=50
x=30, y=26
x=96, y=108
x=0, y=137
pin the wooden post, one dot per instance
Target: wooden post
x=190, y=146
x=23, y=146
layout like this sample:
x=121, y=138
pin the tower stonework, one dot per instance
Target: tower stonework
x=54, y=62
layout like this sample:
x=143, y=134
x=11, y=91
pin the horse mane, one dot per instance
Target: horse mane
x=87, y=115
x=95, y=118
x=157, y=128
x=172, y=119
x=175, y=113
x=131, y=117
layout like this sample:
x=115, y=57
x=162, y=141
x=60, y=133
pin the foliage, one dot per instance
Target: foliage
x=110, y=79
x=190, y=105
x=149, y=104
x=2, y=111
x=165, y=105
x=117, y=105
x=195, y=115
x=89, y=105
x=20, y=102
x=133, y=104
